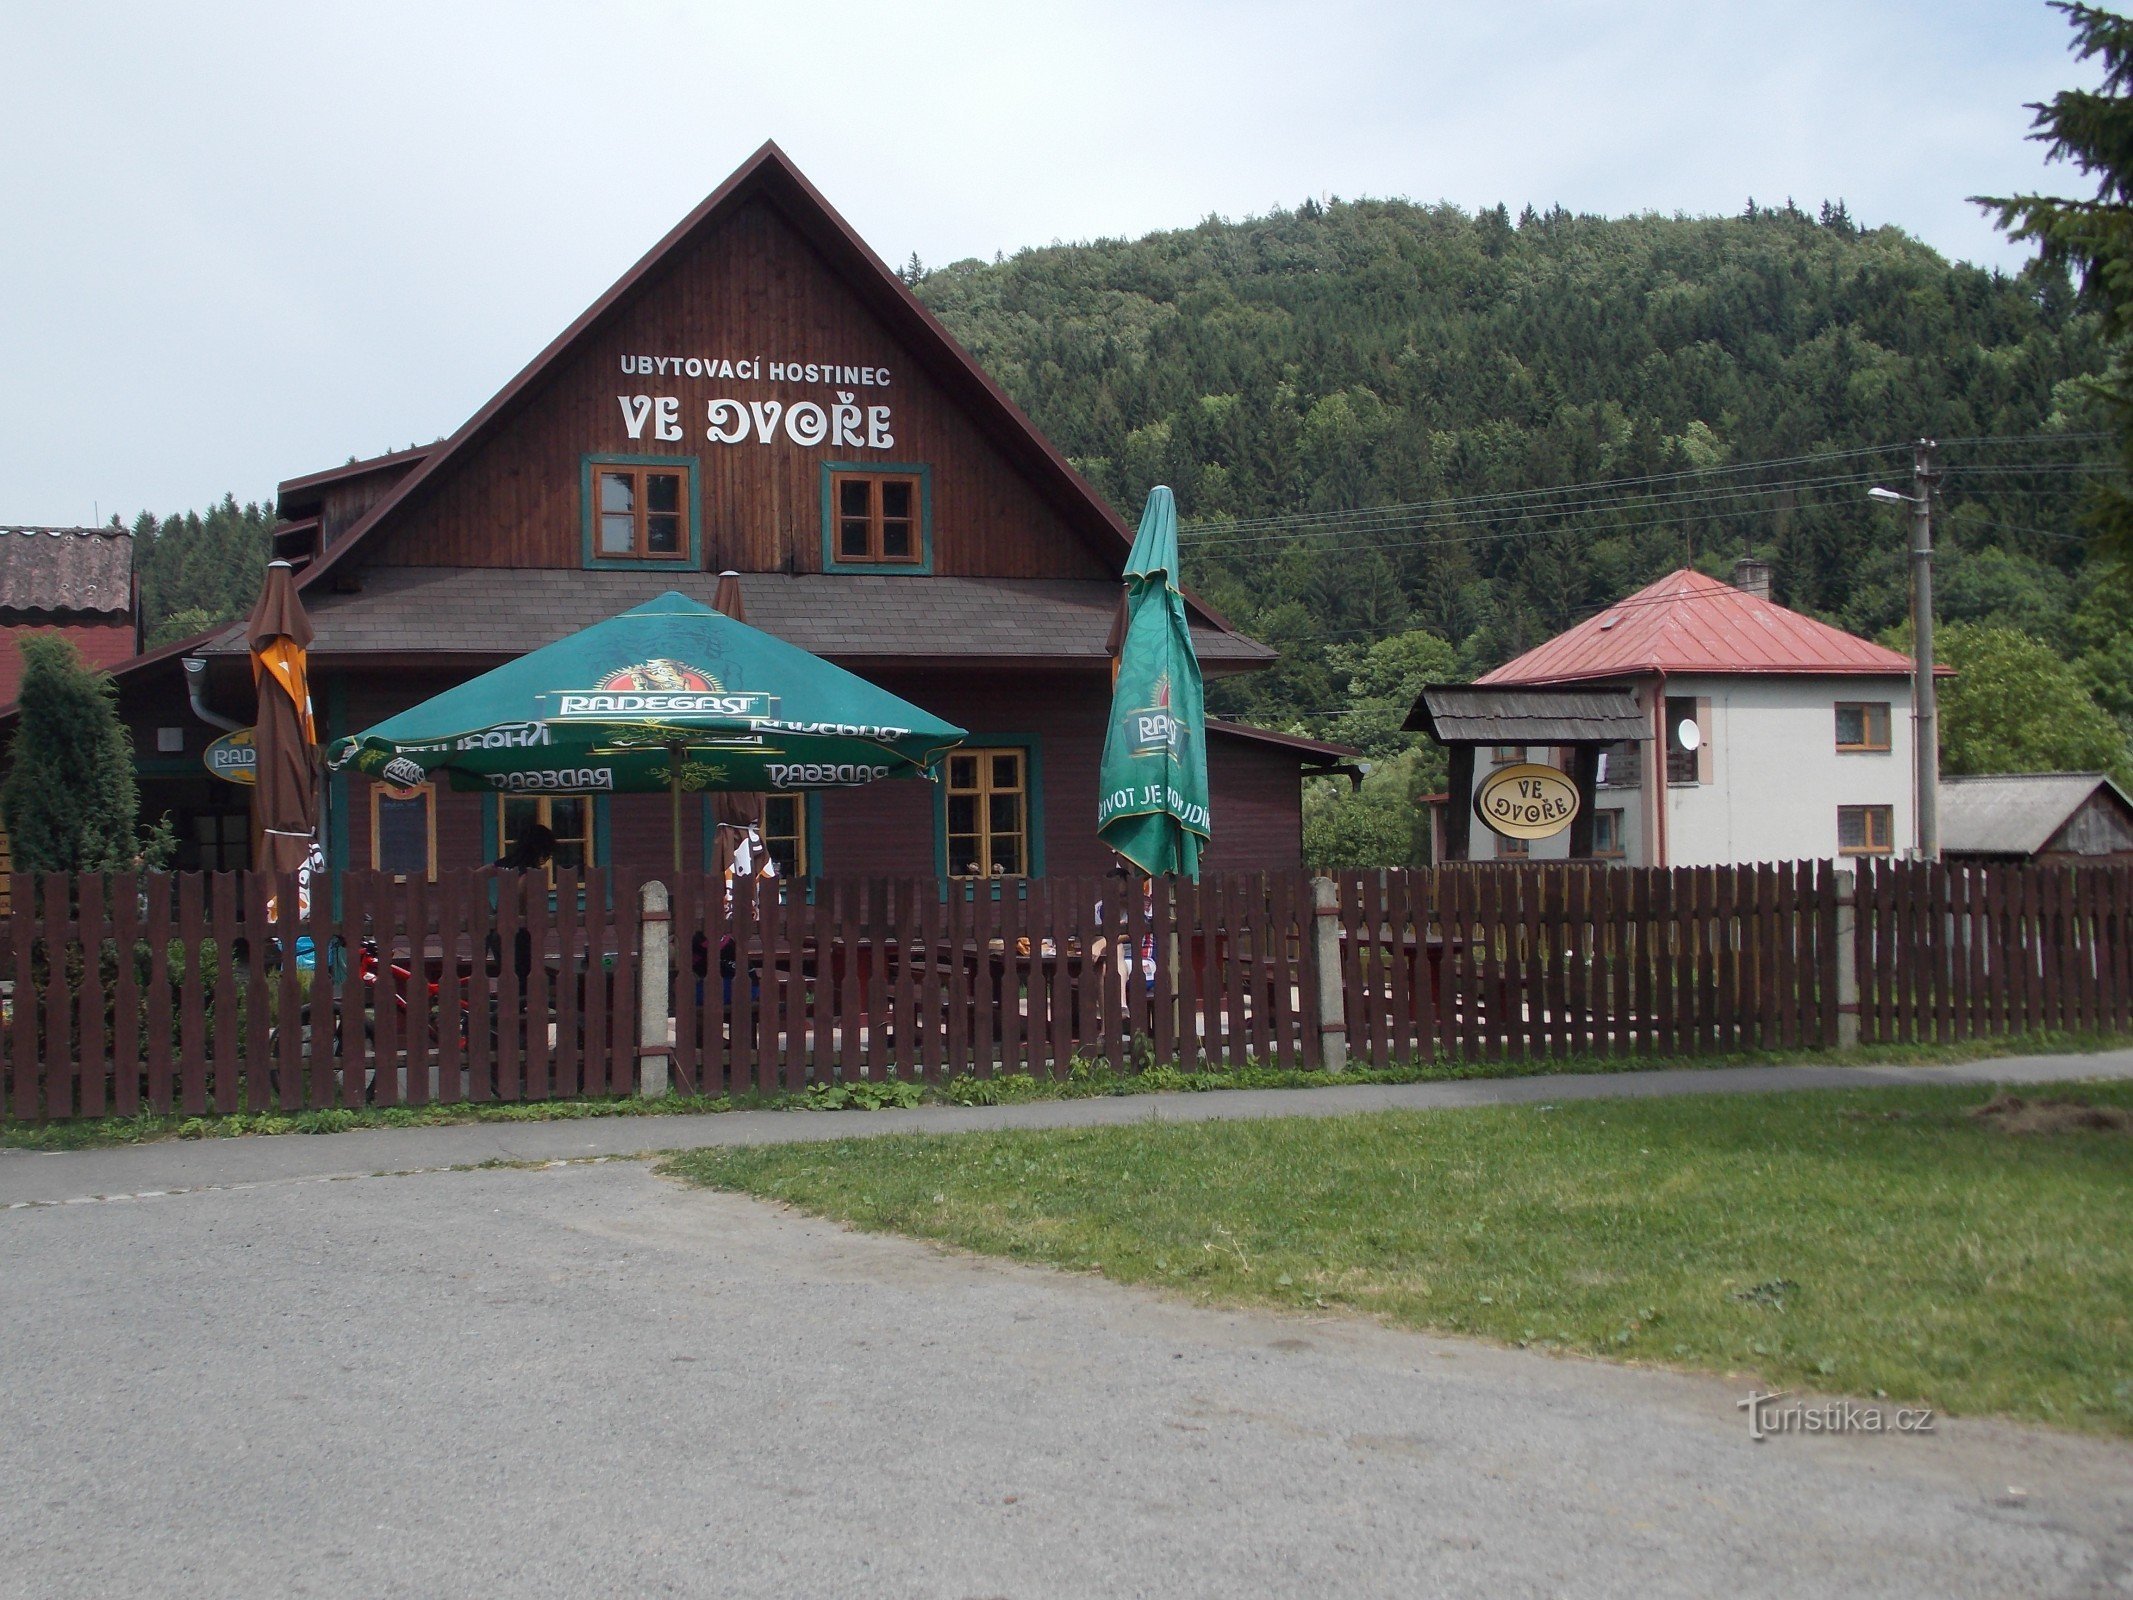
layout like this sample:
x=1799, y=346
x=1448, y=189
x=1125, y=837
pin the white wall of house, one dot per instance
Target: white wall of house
x=1774, y=778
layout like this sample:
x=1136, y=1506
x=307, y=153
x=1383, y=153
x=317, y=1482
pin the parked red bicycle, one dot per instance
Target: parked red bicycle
x=369, y=966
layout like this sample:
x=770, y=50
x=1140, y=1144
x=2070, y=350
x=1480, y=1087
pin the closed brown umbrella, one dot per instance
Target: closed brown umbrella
x=285, y=799
x=734, y=813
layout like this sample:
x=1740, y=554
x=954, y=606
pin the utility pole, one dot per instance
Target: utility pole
x=1925, y=696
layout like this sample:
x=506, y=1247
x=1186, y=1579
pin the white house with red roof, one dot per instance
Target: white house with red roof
x=1784, y=738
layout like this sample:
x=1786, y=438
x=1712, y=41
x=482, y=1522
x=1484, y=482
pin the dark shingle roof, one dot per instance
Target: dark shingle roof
x=497, y=611
x=66, y=569
x=1482, y=714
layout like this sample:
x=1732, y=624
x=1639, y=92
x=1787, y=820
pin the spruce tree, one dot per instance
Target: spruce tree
x=2092, y=129
x=69, y=800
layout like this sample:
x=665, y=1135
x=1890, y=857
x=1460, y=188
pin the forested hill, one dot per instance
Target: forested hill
x=1284, y=372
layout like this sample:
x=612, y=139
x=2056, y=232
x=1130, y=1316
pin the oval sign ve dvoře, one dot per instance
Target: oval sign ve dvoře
x=1527, y=801
x=232, y=758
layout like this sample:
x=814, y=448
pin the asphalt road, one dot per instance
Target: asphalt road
x=586, y=1380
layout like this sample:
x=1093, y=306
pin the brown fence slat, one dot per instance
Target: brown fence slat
x=91, y=1058
x=192, y=996
x=124, y=910
x=258, y=993
x=61, y=1048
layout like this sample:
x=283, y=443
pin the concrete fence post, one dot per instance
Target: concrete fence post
x=655, y=1048
x=1326, y=952
x=1847, y=961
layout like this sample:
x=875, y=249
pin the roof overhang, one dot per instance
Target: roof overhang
x=1463, y=713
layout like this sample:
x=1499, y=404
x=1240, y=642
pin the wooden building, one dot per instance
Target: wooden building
x=759, y=393
x=2036, y=816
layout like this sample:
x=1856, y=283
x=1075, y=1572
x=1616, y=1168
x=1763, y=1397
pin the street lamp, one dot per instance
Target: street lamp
x=1925, y=700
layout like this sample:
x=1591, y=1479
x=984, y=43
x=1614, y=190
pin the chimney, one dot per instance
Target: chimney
x=1751, y=576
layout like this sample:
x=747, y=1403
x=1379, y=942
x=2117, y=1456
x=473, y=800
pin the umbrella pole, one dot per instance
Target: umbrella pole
x=674, y=789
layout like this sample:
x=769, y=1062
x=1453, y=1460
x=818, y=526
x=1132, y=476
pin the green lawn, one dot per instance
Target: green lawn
x=1855, y=1240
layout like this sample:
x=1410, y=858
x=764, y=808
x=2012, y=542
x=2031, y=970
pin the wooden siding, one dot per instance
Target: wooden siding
x=752, y=289
x=2101, y=827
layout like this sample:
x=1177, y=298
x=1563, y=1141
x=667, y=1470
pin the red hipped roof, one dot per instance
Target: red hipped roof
x=1687, y=622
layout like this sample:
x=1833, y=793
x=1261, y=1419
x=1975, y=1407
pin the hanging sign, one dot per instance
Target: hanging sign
x=1526, y=801
x=232, y=758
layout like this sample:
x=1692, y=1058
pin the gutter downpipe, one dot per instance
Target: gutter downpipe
x=196, y=694
x=1660, y=852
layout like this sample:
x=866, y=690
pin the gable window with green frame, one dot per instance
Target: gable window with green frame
x=988, y=813
x=640, y=511
x=876, y=518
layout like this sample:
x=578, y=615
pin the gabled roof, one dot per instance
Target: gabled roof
x=1687, y=622
x=2016, y=813
x=1465, y=713
x=769, y=175
x=66, y=569
x=889, y=620
x=292, y=489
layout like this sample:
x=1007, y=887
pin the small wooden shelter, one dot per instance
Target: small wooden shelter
x=1582, y=721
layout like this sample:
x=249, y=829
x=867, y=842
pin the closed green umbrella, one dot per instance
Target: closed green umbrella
x=671, y=696
x=1153, y=806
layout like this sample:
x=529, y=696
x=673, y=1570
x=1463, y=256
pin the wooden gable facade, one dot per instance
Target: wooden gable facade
x=760, y=394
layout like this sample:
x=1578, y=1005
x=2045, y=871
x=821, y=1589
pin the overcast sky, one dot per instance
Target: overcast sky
x=245, y=241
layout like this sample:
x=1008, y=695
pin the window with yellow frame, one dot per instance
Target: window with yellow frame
x=568, y=816
x=785, y=834
x=988, y=814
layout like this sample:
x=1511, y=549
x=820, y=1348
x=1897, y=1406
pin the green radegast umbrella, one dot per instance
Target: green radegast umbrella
x=671, y=696
x=1153, y=806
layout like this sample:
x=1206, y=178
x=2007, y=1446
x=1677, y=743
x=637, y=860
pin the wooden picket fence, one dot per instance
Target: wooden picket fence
x=181, y=993
x=1517, y=962
x=918, y=979
x=1949, y=953
x=188, y=994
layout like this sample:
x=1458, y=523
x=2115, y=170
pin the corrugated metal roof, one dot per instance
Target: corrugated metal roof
x=497, y=611
x=66, y=569
x=1687, y=622
x=2013, y=813
x=1478, y=714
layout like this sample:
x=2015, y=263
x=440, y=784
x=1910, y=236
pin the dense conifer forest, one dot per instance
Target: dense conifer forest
x=1410, y=442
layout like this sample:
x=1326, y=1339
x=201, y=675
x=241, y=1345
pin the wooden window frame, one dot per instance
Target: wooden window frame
x=688, y=557
x=1614, y=816
x=1512, y=849
x=545, y=804
x=1506, y=755
x=835, y=474
x=1885, y=846
x=1866, y=708
x=383, y=791
x=983, y=794
x=803, y=843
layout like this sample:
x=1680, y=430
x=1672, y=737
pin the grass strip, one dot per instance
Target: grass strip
x=1088, y=1079
x=1872, y=1241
